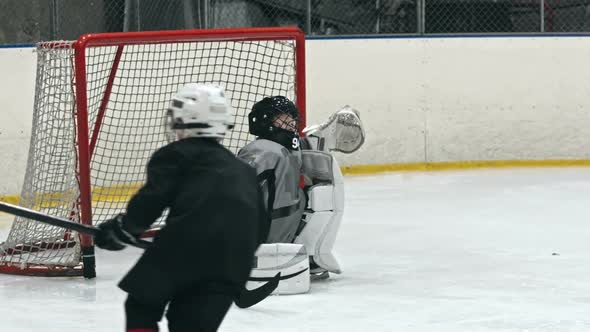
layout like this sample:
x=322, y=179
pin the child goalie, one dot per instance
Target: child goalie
x=202, y=257
x=307, y=213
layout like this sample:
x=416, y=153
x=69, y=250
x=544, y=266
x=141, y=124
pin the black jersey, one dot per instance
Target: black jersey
x=215, y=223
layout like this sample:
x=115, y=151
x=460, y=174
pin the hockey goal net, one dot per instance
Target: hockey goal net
x=99, y=114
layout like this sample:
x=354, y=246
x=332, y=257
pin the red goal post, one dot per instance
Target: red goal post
x=99, y=113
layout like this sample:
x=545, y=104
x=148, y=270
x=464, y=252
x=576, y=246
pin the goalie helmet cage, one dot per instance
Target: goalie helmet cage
x=99, y=114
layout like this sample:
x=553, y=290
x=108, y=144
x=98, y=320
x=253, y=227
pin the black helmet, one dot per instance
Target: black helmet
x=265, y=121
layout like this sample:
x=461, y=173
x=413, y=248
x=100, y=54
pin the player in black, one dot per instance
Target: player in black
x=202, y=257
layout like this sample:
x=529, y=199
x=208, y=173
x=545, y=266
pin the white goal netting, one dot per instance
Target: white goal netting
x=128, y=88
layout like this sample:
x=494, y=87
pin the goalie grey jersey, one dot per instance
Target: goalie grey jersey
x=278, y=171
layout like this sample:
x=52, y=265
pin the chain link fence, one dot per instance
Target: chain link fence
x=29, y=21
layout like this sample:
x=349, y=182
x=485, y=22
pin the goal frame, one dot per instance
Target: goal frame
x=86, y=143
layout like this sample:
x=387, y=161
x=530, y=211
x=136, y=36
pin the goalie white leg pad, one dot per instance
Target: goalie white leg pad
x=323, y=218
x=319, y=236
x=288, y=258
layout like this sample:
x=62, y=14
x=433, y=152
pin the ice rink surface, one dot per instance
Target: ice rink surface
x=482, y=250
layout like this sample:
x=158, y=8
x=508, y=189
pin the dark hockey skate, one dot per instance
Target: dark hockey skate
x=316, y=272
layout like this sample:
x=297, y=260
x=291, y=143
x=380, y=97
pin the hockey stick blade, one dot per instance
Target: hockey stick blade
x=248, y=298
x=59, y=222
x=288, y=276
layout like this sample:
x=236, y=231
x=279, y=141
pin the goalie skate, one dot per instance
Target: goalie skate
x=316, y=272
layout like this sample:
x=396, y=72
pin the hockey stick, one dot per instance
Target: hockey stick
x=245, y=299
x=59, y=222
x=248, y=298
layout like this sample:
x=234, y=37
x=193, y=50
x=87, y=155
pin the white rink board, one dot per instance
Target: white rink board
x=456, y=99
x=421, y=99
x=416, y=256
x=17, y=91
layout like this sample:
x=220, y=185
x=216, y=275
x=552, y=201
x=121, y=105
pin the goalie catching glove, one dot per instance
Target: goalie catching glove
x=113, y=235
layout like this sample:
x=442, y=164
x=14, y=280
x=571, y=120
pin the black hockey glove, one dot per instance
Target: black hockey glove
x=113, y=236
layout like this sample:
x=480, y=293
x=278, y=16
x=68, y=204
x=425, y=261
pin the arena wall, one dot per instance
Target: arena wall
x=424, y=101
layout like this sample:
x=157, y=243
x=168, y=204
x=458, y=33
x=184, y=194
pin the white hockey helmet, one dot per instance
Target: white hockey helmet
x=199, y=110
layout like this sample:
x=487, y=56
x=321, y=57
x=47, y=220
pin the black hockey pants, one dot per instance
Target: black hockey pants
x=189, y=313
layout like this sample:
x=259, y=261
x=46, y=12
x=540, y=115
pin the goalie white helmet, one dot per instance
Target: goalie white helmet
x=199, y=110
